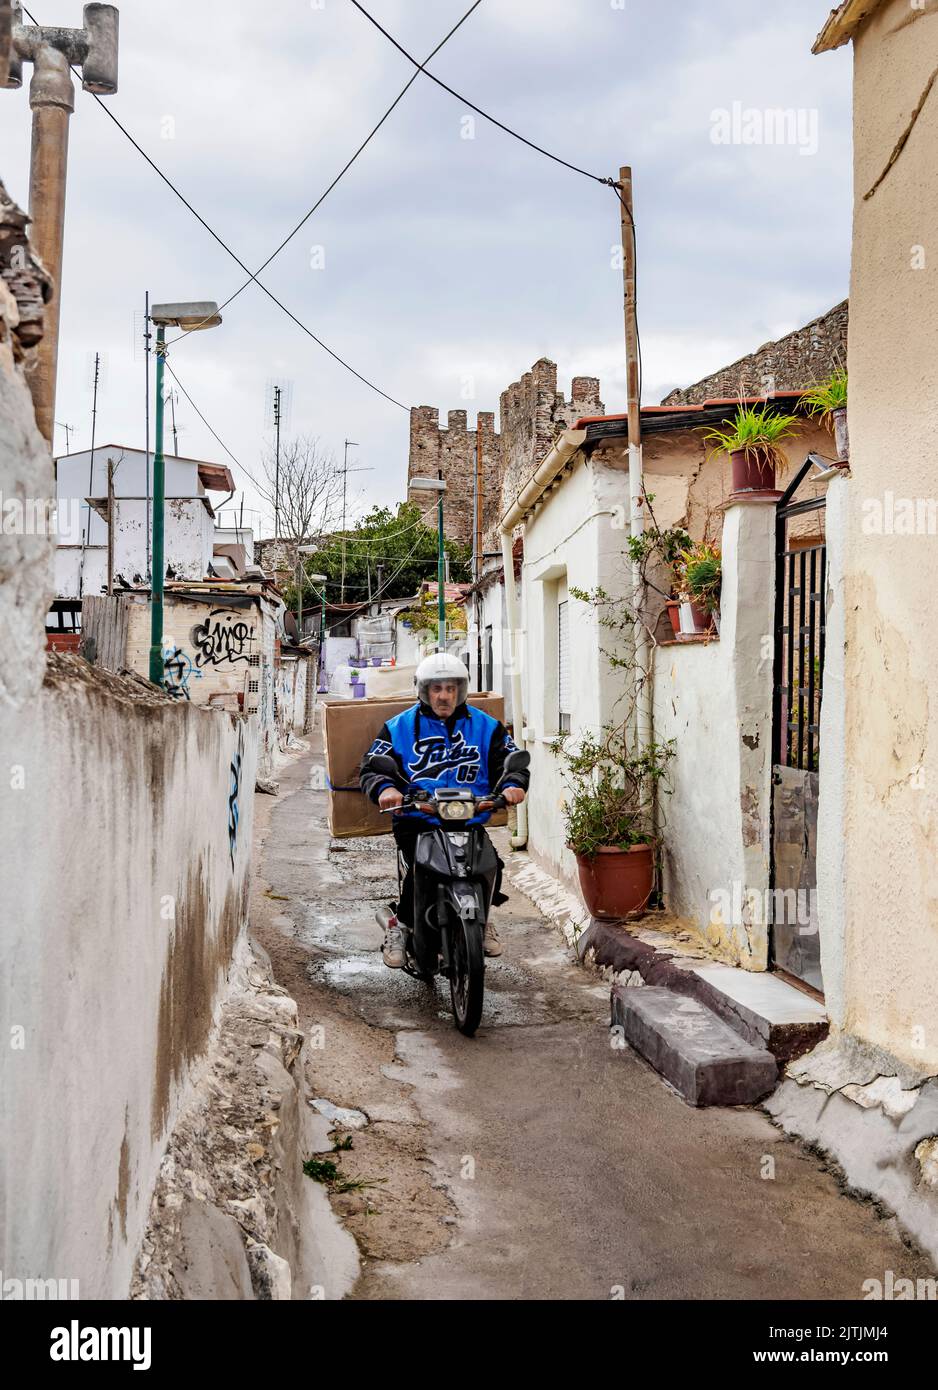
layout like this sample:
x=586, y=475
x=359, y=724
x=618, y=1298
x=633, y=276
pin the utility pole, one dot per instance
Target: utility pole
x=277, y=462
x=86, y=533
x=53, y=52
x=636, y=479
x=349, y=443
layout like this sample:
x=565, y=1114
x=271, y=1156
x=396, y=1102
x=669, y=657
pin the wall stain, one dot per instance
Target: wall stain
x=198, y=957
x=123, y=1177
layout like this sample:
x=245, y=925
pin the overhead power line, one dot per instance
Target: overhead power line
x=597, y=178
x=345, y=168
x=215, y=436
x=225, y=247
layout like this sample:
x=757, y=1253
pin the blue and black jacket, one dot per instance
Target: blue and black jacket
x=467, y=750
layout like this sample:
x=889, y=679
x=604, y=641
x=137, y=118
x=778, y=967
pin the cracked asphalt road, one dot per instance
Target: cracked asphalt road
x=534, y=1161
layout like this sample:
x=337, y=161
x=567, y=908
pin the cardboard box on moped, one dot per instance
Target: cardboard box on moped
x=349, y=729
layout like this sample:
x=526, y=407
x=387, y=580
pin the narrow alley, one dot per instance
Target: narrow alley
x=535, y=1161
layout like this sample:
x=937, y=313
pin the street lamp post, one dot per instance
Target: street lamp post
x=188, y=317
x=438, y=486
x=320, y=579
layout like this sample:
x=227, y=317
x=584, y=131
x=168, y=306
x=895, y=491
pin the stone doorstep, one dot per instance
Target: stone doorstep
x=703, y=1058
x=761, y=1007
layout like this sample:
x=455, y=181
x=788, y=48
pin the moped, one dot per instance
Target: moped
x=455, y=868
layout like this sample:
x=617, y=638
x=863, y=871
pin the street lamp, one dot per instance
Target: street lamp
x=188, y=317
x=320, y=579
x=439, y=486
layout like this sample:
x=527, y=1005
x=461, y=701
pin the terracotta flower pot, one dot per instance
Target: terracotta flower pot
x=753, y=473
x=694, y=620
x=674, y=613
x=616, y=882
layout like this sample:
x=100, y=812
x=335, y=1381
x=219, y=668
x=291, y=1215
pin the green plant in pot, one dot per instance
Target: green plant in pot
x=609, y=814
x=701, y=580
x=661, y=549
x=752, y=441
x=827, y=402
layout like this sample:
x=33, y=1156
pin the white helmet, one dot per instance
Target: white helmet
x=441, y=667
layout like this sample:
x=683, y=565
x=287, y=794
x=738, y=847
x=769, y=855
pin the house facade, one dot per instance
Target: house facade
x=87, y=514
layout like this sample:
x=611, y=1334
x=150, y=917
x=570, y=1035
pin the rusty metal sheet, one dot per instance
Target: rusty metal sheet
x=795, y=936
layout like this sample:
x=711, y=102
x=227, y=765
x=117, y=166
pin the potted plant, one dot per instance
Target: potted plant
x=752, y=442
x=609, y=815
x=701, y=578
x=666, y=546
x=828, y=402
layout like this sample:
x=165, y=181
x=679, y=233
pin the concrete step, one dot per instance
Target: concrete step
x=704, y=1059
x=762, y=1007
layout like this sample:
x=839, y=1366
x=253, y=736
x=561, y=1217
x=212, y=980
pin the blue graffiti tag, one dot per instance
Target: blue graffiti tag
x=234, y=795
x=177, y=668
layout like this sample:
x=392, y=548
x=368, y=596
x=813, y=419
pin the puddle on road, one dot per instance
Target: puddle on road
x=367, y=976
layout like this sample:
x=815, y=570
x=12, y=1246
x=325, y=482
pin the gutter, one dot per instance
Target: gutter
x=556, y=461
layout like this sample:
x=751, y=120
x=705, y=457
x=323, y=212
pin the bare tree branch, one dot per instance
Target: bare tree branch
x=310, y=490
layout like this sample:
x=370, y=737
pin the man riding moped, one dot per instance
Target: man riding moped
x=440, y=743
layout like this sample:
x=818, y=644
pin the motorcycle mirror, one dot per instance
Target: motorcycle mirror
x=518, y=761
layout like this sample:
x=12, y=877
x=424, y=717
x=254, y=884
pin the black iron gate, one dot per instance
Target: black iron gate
x=800, y=595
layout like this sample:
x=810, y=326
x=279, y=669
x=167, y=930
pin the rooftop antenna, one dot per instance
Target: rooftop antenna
x=349, y=444
x=86, y=533
x=69, y=429
x=279, y=398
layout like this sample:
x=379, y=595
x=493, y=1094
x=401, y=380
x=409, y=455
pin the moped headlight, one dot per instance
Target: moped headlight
x=456, y=810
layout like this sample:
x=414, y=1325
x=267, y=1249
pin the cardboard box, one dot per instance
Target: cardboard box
x=349, y=729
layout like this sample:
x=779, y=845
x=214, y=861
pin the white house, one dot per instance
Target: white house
x=84, y=512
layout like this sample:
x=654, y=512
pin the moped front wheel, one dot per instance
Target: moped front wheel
x=467, y=973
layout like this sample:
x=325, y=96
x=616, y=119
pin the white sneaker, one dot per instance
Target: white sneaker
x=393, y=948
x=490, y=942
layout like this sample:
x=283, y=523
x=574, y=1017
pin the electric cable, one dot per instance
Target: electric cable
x=345, y=168
x=597, y=178
x=225, y=247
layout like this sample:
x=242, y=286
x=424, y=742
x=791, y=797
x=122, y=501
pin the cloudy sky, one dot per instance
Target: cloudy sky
x=449, y=258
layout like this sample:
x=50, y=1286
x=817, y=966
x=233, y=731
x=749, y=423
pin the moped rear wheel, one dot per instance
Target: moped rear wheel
x=467, y=974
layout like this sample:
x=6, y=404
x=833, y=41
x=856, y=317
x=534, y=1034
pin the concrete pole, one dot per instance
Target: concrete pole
x=53, y=52
x=52, y=101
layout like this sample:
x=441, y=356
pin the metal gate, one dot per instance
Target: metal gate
x=800, y=593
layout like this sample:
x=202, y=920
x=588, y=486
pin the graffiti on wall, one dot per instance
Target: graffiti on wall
x=234, y=794
x=222, y=637
x=177, y=672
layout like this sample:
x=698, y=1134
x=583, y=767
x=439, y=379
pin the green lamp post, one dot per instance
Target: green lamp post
x=438, y=486
x=188, y=318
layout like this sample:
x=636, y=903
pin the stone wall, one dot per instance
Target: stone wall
x=790, y=364
x=125, y=834
x=532, y=414
x=453, y=449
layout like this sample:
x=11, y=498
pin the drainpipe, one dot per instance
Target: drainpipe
x=556, y=461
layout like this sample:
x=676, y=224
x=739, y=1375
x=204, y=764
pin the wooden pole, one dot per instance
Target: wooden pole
x=643, y=692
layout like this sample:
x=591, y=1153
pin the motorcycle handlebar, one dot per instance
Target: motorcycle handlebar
x=486, y=803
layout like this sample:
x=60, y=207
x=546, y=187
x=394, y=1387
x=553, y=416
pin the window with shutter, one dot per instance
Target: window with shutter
x=563, y=667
